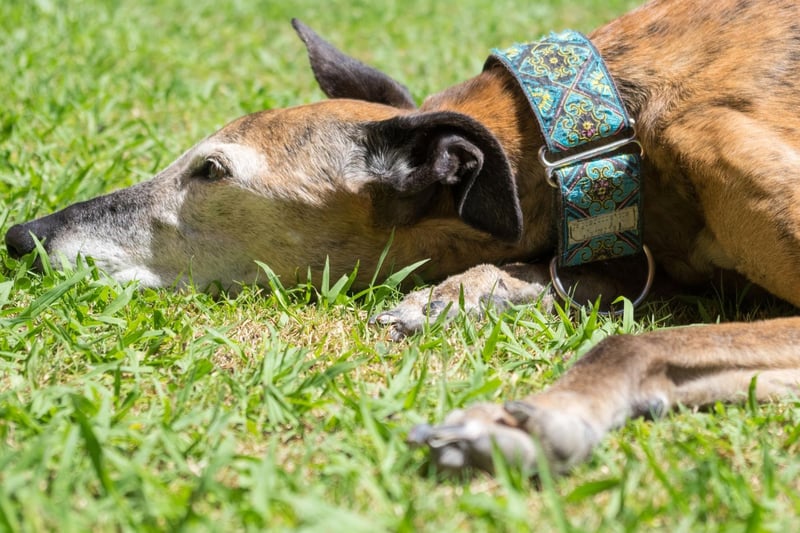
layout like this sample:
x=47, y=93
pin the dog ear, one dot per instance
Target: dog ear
x=341, y=76
x=412, y=153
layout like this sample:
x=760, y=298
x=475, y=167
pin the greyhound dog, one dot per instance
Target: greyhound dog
x=713, y=87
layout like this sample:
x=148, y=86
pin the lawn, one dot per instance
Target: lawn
x=134, y=409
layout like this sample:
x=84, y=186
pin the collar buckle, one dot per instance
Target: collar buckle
x=586, y=155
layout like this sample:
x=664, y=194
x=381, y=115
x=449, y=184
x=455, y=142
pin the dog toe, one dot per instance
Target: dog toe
x=399, y=327
x=383, y=319
x=410, y=316
x=472, y=437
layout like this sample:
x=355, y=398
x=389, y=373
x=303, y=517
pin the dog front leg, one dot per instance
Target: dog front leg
x=622, y=377
x=477, y=288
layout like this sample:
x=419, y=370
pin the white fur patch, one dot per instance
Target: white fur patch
x=245, y=163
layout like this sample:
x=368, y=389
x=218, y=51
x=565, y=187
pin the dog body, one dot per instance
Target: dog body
x=713, y=86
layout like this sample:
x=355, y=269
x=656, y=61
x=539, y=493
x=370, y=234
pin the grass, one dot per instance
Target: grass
x=128, y=409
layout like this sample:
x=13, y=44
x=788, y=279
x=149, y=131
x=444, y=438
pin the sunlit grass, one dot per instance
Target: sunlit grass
x=280, y=408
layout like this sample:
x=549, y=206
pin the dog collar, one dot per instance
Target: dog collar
x=591, y=154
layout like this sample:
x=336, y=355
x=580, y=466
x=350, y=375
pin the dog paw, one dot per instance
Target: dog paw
x=410, y=316
x=468, y=437
x=473, y=291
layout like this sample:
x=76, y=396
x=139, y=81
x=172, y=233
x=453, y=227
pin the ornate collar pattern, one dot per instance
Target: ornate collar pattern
x=589, y=138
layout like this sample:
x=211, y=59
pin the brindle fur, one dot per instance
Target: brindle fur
x=714, y=88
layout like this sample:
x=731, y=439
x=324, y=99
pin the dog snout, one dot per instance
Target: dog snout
x=21, y=238
x=20, y=241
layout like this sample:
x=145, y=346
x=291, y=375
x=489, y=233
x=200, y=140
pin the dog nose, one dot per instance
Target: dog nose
x=19, y=241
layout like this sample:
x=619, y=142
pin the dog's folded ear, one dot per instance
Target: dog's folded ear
x=341, y=76
x=411, y=153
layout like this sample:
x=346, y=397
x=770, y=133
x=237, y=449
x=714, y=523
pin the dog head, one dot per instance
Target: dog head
x=294, y=188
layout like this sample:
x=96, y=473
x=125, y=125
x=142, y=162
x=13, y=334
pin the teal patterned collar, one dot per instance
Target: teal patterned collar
x=591, y=155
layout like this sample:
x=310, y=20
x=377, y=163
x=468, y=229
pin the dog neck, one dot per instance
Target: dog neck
x=496, y=99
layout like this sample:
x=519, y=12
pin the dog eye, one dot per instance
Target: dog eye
x=212, y=170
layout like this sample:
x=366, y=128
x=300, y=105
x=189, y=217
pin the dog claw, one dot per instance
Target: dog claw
x=397, y=329
x=384, y=319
